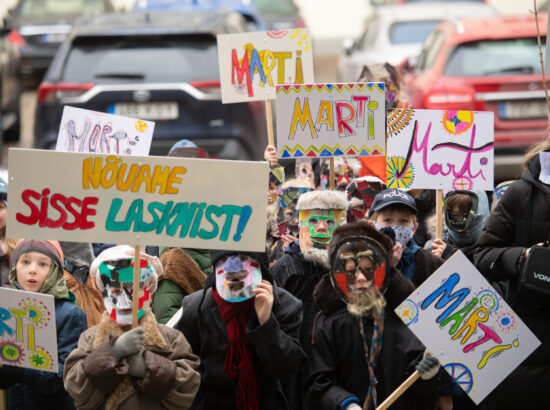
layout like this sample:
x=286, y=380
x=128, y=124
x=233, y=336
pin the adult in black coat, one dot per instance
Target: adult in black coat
x=276, y=352
x=520, y=220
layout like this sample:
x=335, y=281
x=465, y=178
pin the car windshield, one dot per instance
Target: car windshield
x=40, y=8
x=406, y=32
x=495, y=57
x=279, y=6
x=143, y=59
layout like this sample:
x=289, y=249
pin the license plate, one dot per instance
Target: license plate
x=516, y=110
x=54, y=37
x=147, y=111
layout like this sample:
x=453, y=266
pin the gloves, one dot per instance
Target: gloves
x=353, y=406
x=428, y=366
x=129, y=343
x=136, y=363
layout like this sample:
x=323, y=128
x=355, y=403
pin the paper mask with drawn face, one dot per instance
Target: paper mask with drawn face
x=117, y=277
x=316, y=226
x=236, y=276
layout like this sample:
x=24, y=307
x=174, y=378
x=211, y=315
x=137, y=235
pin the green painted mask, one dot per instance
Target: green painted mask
x=320, y=223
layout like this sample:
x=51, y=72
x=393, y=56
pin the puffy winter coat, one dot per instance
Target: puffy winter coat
x=520, y=220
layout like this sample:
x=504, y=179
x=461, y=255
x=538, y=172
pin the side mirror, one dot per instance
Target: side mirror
x=348, y=45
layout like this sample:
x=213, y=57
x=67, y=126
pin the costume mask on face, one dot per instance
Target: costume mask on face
x=364, y=189
x=316, y=226
x=276, y=178
x=359, y=272
x=117, y=277
x=287, y=214
x=403, y=234
x=304, y=170
x=236, y=276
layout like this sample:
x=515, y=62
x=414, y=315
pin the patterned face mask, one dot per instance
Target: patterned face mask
x=236, y=276
x=403, y=234
x=316, y=226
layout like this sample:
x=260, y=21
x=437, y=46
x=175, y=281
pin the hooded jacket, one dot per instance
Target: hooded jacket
x=520, y=220
x=276, y=350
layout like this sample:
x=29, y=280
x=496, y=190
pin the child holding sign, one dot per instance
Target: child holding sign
x=37, y=266
x=148, y=367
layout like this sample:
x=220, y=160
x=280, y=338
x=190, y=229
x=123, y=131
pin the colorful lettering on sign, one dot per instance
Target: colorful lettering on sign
x=466, y=320
x=263, y=62
x=190, y=219
x=347, y=115
x=116, y=173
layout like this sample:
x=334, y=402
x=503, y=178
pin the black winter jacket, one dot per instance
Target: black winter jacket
x=520, y=220
x=337, y=366
x=277, y=352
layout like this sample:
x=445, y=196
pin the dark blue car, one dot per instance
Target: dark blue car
x=161, y=66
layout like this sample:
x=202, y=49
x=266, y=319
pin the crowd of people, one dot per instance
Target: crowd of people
x=308, y=324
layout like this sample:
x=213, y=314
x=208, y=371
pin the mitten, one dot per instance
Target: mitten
x=136, y=363
x=353, y=406
x=129, y=343
x=428, y=366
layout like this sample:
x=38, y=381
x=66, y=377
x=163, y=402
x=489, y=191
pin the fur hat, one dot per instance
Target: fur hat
x=359, y=229
x=51, y=249
x=322, y=200
x=124, y=252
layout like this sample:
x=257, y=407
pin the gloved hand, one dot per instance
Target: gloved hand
x=129, y=343
x=353, y=406
x=136, y=363
x=428, y=366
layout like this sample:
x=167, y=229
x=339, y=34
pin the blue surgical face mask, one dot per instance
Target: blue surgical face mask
x=403, y=234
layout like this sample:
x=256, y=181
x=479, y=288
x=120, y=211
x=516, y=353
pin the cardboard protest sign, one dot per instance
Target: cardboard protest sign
x=463, y=321
x=252, y=64
x=435, y=149
x=27, y=330
x=325, y=120
x=92, y=131
x=197, y=203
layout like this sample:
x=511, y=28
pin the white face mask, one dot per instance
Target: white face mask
x=544, y=175
x=236, y=276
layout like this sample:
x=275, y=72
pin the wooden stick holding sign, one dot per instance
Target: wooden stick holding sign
x=331, y=173
x=439, y=213
x=399, y=391
x=135, y=295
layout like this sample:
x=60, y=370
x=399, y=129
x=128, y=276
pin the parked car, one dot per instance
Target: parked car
x=280, y=14
x=40, y=26
x=247, y=8
x=489, y=64
x=10, y=85
x=161, y=66
x=394, y=33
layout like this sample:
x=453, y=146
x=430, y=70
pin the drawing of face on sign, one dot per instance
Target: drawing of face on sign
x=236, y=276
x=287, y=214
x=359, y=268
x=117, y=279
x=304, y=170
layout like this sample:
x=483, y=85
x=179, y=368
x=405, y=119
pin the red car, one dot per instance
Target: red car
x=489, y=64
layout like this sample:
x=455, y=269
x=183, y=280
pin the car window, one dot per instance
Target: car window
x=495, y=57
x=405, y=32
x=368, y=37
x=142, y=59
x=38, y=8
x=430, y=51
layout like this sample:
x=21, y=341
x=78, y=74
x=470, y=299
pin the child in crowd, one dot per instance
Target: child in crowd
x=360, y=350
x=397, y=209
x=37, y=266
x=245, y=330
x=148, y=367
x=360, y=193
x=465, y=215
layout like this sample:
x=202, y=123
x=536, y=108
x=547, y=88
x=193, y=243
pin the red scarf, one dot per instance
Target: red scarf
x=238, y=351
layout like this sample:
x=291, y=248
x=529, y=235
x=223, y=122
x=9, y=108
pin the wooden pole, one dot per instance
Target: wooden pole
x=399, y=391
x=542, y=62
x=439, y=213
x=135, y=296
x=269, y=119
x=331, y=173
x=3, y=403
